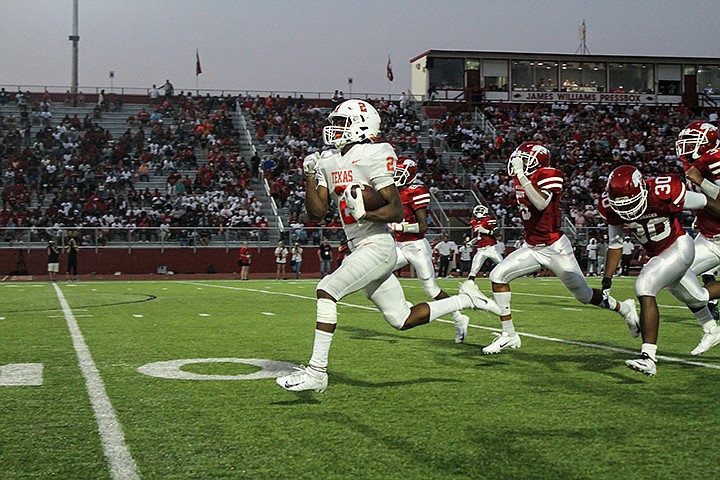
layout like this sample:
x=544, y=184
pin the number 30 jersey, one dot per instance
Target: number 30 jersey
x=659, y=226
x=370, y=164
x=542, y=227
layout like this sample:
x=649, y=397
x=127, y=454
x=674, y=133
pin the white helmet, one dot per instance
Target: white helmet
x=353, y=121
x=480, y=211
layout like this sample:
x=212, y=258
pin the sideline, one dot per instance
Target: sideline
x=480, y=327
x=121, y=464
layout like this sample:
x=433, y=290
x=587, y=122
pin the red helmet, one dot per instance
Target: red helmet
x=480, y=211
x=696, y=139
x=627, y=192
x=533, y=154
x=405, y=172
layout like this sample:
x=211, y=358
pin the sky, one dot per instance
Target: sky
x=316, y=45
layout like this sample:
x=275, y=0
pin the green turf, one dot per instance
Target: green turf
x=400, y=405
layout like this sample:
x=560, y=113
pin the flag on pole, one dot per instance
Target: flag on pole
x=390, y=76
x=198, y=69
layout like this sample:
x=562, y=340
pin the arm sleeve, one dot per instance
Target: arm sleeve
x=710, y=189
x=694, y=201
x=533, y=195
x=615, y=236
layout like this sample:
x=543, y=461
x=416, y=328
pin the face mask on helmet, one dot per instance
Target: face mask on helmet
x=405, y=173
x=353, y=121
x=480, y=211
x=696, y=139
x=627, y=193
x=533, y=156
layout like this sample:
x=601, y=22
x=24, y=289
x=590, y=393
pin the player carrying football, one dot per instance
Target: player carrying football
x=650, y=209
x=413, y=248
x=331, y=176
x=483, y=227
x=538, y=188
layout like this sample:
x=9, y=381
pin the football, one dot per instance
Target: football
x=371, y=198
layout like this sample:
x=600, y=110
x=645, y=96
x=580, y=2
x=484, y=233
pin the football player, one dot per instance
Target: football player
x=538, y=188
x=331, y=177
x=483, y=228
x=413, y=248
x=697, y=146
x=650, y=209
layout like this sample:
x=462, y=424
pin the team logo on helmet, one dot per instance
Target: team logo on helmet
x=627, y=193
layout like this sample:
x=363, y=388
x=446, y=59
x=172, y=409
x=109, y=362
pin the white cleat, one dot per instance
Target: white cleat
x=503, y=341
x=461, y=328
x=631, y=318
x=478, y=299
x=643, y=364
x=710, y=338
x=304, y=378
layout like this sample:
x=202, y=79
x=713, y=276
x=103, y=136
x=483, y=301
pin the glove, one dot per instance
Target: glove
x=517, y=165
x=396, y=227
x=310, y=164
x=355, y=206
x=606, y=285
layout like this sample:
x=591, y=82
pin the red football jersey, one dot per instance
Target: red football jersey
x=484, y=239
x=413, y=197
x=709, y=166
x=542, y=227
x=658, y=227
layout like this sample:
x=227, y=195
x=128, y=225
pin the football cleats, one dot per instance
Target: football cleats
x=627, y=192
x=696, y=139
x=353, y=121
x=405, y=172
x=480, y=211
x=533, y=156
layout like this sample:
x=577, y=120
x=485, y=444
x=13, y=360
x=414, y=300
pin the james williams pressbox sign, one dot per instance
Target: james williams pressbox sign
x=584, y=97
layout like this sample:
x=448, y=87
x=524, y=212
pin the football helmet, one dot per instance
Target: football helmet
x=534, y=155
x=405, y=172
x=627, y=192
x=696, y=139
x=352, y=121
x=480, y=211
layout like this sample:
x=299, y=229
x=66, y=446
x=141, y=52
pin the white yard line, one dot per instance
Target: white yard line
x=120, y=461
x=529, y=335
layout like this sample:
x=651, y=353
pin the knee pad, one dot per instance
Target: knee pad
x=326, y=311
x=396, y=317
x=497, y=275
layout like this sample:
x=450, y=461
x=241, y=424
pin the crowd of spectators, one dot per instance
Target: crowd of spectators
x=74, y=173
x=586, y=143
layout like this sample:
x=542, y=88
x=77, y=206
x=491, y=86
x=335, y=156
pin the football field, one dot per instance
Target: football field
x=175, y=380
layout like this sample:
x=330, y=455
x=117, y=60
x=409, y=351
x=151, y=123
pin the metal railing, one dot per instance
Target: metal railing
x=143, y=91
x=194, y=238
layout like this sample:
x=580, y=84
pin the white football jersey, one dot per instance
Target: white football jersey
x=370, y=164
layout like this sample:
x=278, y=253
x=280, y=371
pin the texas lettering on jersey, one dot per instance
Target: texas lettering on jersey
x=542, y=227
x=370, y=164
x=659, y=226
x=478, y=227
x=343, y=176
x=413, y=197
x=709, y=166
